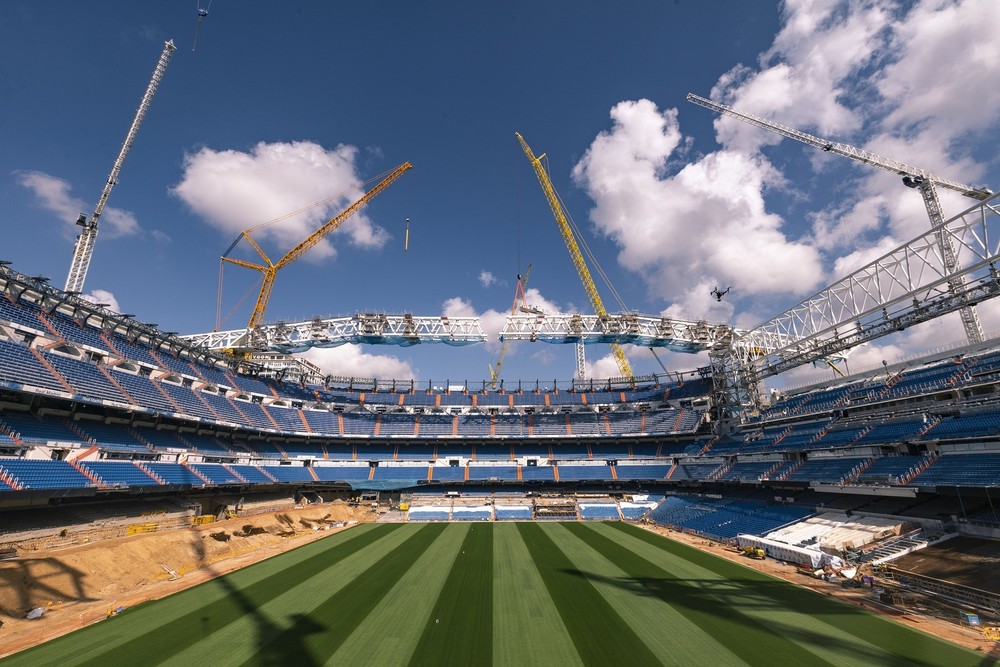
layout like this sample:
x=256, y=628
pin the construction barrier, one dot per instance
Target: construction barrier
x=202, y=519
x=139, y=528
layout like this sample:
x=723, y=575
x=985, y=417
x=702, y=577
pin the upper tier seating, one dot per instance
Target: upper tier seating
x=833, y=470
x=961, y=470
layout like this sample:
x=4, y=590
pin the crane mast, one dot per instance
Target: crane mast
x=913, y=177
x=574, y=250
x=83, y=249
x=270, y=269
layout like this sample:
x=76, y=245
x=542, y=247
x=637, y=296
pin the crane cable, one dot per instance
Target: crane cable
x=582, y=242
x=219, y=320
x=202, y=13
x=328, y=200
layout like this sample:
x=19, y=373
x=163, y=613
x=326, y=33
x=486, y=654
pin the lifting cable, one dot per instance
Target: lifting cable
x=582, y=242
x=202, y=13
x=219, y=320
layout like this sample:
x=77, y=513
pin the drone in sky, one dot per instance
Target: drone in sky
x=718, y=294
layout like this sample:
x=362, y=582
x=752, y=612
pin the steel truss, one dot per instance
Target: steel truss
x=643, y=330
x=913, y=177
x=908, y=286
x=366, y=328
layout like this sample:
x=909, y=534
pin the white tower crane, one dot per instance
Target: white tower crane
x=913, y=177
x=83, y=250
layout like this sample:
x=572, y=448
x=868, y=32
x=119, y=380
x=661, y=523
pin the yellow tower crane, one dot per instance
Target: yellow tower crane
x=270, y=270
x=574, y=250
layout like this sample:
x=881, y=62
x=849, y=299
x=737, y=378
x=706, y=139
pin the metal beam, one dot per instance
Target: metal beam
x=907, y=286
x=367, y=328
x=645, y=330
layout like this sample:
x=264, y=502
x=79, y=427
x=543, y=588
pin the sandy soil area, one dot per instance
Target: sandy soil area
x=953, y=632
x=78, y=585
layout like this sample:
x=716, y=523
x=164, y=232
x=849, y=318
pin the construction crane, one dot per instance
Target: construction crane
x=574, y=250
x=913, y=177
x=83, y=249
x=270, y=270
x=520, y=304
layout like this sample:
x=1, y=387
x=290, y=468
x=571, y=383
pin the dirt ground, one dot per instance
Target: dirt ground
x=79, y=585
x=953, y=632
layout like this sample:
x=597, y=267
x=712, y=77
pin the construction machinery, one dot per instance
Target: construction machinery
x=269, y=269
x=519, y=304
x=83, y=249
x=913, y=177
x=566, y=229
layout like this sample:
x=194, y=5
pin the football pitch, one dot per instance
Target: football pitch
x=501, y=594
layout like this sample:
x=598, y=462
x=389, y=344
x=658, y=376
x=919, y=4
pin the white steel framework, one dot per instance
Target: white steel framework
x=83, y=249
x=913, y=177
x=362, y=328
x=907, y=286
x=644, y=330
x=911, y=284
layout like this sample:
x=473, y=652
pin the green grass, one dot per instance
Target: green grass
x=503, y=594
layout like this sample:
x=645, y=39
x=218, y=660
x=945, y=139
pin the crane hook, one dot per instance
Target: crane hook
x=202, y=13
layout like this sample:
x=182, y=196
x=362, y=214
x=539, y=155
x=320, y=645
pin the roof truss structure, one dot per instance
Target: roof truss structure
x=362, y=328
x=647, y=331
x=907, y=286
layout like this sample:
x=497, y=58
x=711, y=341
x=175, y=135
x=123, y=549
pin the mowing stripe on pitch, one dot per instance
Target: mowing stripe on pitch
x=278, y=614
x=459, y=630
x=118, y=641
x=392, y=630
x=687, y=643
x=600, y=634
x=905, y=645
x=762, y=599
x=752, y=641
x=527, y=628
x=314, y=637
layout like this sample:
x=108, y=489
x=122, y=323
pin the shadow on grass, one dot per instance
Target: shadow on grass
x=715, y=605
x=291, y=650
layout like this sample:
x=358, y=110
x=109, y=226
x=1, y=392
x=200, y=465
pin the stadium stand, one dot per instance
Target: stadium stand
x=97, y=412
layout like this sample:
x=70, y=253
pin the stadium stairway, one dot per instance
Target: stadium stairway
x=197, y=474
x=149, y=471
x=51, y=369
x=9, y=480
x=86, y=473
x=104, y=371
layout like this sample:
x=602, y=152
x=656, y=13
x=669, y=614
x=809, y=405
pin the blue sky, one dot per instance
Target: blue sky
x=286, y=104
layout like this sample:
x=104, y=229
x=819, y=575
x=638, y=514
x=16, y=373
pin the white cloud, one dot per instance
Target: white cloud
x=233, y=190
x=602, y=368
x=901, y=79
x=706, y=224
x=352, y=361
x=698, y=303
x=850, y=263
x=486, y=278
x=947, y=52
x=493, y=320
x=102, y=296
x=54, y=195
